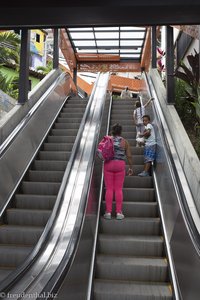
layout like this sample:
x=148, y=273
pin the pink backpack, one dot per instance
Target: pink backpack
x=105, y=149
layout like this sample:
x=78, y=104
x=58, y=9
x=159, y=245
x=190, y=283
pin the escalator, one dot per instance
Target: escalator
x=93, y=258
x=131, y=260
x=139, y=257
x=30, y=208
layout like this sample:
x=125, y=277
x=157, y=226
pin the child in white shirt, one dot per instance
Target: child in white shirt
x=150, y=146
x=138, y=114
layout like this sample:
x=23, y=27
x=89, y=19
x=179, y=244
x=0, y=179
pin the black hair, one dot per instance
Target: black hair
x=116, y=129
x=137, y=104
x=146, y=116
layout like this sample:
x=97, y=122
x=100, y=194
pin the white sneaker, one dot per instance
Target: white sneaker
x=143, y=174
x=107, y=216
x=119, y=216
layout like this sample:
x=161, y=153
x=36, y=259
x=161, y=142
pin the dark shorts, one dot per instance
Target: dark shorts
x=149, y=153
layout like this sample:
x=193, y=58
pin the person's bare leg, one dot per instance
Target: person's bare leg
x=147, y=167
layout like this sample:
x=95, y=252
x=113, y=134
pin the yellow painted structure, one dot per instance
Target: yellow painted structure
x=38, y=38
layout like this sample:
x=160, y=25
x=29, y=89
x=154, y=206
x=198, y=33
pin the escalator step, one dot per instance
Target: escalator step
x=129, y=135
x=40, y=188
x=124, y=102
x=44, y=176
x=138, y=158
x=30, y=217
x=138, y=182
x=45, y=165
x=71, y=115
x=129, y=290
x=132, y=142
x=12, y=256
x=26, y=201
x=137, y=194
x=131, y=245
x=64, y=132
x=66, y=126
x=122, y=117
x=136, y=169
x=69, y=121
x=137, y=150
x=60, y=139
x=123, y=122
x=76, y=104
x=123, y=110
x=58, y=147
x=127, y=127
x=4, y=272
x=76, y=109
x=115, y=267
x=16, y=234
x=137, y=209
x=131, y=226
x=54, y=155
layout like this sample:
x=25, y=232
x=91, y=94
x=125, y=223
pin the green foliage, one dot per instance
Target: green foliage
x=196, y=104
x=9, y=48
x=190, y=75
x=116, y=97
x=9, y=85
x=188, y=99
x=197, y=147
x=9, y=54
x=47, y=69
x=183, y=105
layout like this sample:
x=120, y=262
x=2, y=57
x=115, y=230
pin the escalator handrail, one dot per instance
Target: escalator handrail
x=91, y=275
x=67, y=192
x=181, y=189
x=169, y=254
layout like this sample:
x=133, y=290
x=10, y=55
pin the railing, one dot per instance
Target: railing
x=180, y=220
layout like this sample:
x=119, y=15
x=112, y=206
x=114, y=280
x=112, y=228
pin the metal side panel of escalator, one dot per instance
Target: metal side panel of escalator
x=30, y=207
x=131, y=261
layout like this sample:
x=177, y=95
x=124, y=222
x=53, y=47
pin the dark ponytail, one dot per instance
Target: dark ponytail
x=116, y=129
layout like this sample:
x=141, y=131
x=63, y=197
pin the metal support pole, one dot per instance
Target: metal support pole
x=75, y=76
x=24, y=66
x=56, y=49
x=170, y=86
x=153, y=47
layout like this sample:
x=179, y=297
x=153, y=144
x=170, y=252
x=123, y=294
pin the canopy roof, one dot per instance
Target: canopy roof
x=118, y=43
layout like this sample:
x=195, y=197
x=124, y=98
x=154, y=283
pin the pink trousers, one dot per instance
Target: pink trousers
x=114, y=174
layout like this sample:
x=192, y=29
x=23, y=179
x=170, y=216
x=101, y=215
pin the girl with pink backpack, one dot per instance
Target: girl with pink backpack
x=114, y=172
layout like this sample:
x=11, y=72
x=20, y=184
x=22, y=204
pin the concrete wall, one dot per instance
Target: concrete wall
x=187, y=155
x=6, y=102
x=18, y=112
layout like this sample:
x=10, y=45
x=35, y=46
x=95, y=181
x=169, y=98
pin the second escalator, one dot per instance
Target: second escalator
x=131, y=261
x=31, y=206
